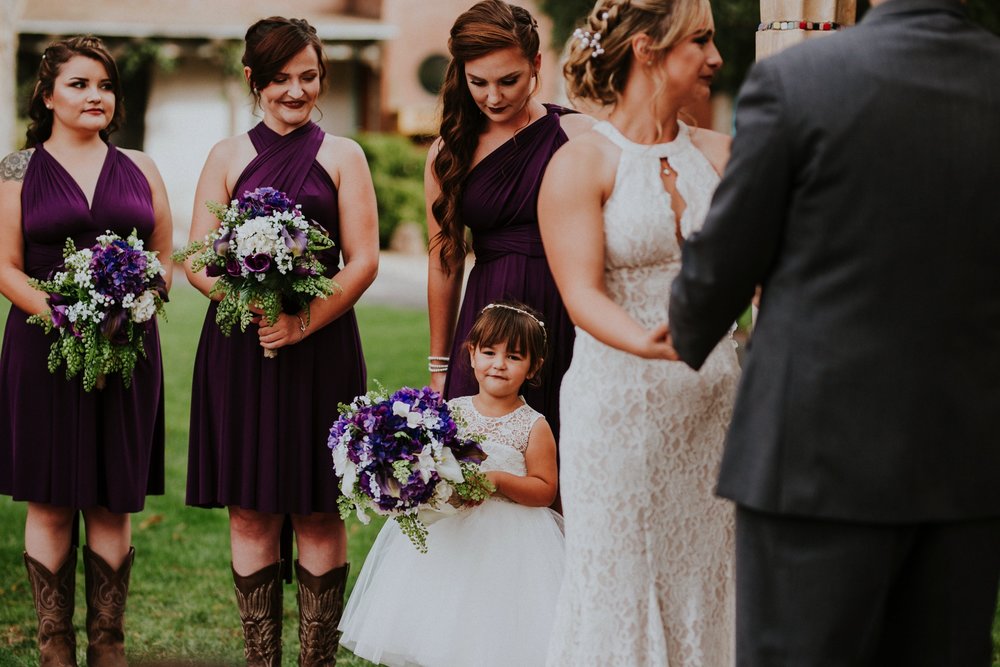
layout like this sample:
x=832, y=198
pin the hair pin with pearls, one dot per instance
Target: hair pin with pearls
x=591, y=40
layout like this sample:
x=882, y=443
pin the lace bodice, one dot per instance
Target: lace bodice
x=506, y=437
x=641, y=252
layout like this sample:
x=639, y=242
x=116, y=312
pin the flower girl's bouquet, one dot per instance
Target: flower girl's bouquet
x=101, y=303
x=263, y=253
x=401, y=456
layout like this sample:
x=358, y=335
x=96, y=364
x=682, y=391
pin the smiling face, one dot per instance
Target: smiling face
x=501, y=83
x=288, y=100
x=690, y=66
x=500, y=371
x=82, y=98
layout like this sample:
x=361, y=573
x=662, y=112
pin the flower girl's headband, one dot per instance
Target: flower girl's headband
x=545, y=336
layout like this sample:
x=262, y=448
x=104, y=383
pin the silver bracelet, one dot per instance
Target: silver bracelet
x=437, y=368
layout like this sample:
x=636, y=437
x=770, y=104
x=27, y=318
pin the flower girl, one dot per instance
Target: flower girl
x=485, y=592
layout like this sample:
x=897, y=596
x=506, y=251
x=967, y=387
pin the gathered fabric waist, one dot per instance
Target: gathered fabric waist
x=520, y=240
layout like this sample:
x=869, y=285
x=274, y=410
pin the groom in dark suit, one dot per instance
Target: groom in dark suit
x=863, y=196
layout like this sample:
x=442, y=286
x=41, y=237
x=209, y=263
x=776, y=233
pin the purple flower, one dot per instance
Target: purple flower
x=221, y=244
x=113, y=327
x=233, y=267
x=258, y=263
x=295, y=240
x=59, y=318
x=214, y=270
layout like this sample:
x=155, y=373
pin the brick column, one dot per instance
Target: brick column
x=788, y=22
x=10, y=11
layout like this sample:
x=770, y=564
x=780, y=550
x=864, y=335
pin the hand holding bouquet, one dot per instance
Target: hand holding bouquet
x=263, y=252
x=401, y=456
x=101, y=303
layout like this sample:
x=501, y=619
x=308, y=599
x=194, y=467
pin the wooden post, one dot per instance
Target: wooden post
x=10, y=12
x=787, y=22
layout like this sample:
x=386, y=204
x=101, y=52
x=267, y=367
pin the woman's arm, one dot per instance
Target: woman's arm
x=162, y=240
x=212, y=186
x=13, y=279
x=577, y=181
x=538, y=486
x=358, y=214
x=443, y=288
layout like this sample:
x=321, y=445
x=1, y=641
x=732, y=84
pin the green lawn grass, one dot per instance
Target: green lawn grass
x=181, y=605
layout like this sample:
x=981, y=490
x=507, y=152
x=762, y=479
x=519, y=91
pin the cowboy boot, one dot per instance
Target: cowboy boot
x=259, y=598
x=54, y=595
x=107, y=591
x=321, y=603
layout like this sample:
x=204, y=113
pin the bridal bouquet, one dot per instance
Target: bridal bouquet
x=263, y=252
x=101, y=303
x=401, y=456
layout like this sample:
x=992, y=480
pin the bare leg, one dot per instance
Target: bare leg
x=254, y=538
x=322, y=541
x=47, y=534
x=109, y=535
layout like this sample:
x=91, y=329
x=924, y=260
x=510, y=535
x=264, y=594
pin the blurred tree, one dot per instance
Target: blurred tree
x=735, y=24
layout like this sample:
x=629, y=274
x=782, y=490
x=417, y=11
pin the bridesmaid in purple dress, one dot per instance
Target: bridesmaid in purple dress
x=483, y=174
x=259, y=426
x=62, y=449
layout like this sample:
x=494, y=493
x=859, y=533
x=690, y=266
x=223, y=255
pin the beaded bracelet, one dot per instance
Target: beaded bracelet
x=799, y=25
x=440, y=367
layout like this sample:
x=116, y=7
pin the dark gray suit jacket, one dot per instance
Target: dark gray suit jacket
x=863, y=193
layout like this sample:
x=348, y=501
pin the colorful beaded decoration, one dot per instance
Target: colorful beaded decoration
x=799, y=25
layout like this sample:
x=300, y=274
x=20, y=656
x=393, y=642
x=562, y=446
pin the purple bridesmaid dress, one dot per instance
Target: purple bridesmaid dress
x=259, y=426
x=59, y=444
x=499, y=204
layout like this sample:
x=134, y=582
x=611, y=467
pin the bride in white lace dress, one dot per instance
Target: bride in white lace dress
x=649, y=570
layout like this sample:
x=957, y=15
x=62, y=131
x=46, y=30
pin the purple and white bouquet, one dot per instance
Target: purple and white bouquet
x=264, y=255
x=101, y=303
x=401, y=456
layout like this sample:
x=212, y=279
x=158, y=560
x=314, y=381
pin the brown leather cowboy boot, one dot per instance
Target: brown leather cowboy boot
x=107, y=591
x=259, y=598
x=54, y=595
x=321, y=603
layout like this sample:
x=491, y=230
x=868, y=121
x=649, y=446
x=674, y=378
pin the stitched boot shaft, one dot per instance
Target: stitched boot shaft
x=259, y=598
x=107, y=592
x=321, y=603
x=54, y=595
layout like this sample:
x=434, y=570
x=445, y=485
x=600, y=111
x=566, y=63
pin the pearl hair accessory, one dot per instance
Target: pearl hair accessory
x=545, y=335
x=589, y=39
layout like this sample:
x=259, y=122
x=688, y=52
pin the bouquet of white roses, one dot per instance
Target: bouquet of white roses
x=401, y=456
x=101, y=302
x=263, y=253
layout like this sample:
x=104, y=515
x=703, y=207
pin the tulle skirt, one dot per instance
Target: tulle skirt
x=483, y=595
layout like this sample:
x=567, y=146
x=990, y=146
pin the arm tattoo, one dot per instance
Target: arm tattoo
x=13, y=166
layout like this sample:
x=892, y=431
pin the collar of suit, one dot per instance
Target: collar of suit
x=895, y=7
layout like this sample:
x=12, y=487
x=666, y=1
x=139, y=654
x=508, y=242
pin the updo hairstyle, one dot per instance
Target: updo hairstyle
x=54, y=57
x=271, y=43
x=597, y=71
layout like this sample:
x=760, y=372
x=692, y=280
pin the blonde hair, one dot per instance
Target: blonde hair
x=602, y=78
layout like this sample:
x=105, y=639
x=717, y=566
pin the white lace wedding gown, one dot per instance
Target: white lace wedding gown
x=484, y=594
x=649, y=569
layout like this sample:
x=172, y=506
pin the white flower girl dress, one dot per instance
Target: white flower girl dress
x=484, y=594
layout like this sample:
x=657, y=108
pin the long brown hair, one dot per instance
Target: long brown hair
x=271, y=43
x=54, y=57
x=486, y=27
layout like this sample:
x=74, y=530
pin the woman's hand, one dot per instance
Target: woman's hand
x=286, y=331
x=656, y=344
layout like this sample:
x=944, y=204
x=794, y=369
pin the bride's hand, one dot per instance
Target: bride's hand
x=657, y=344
